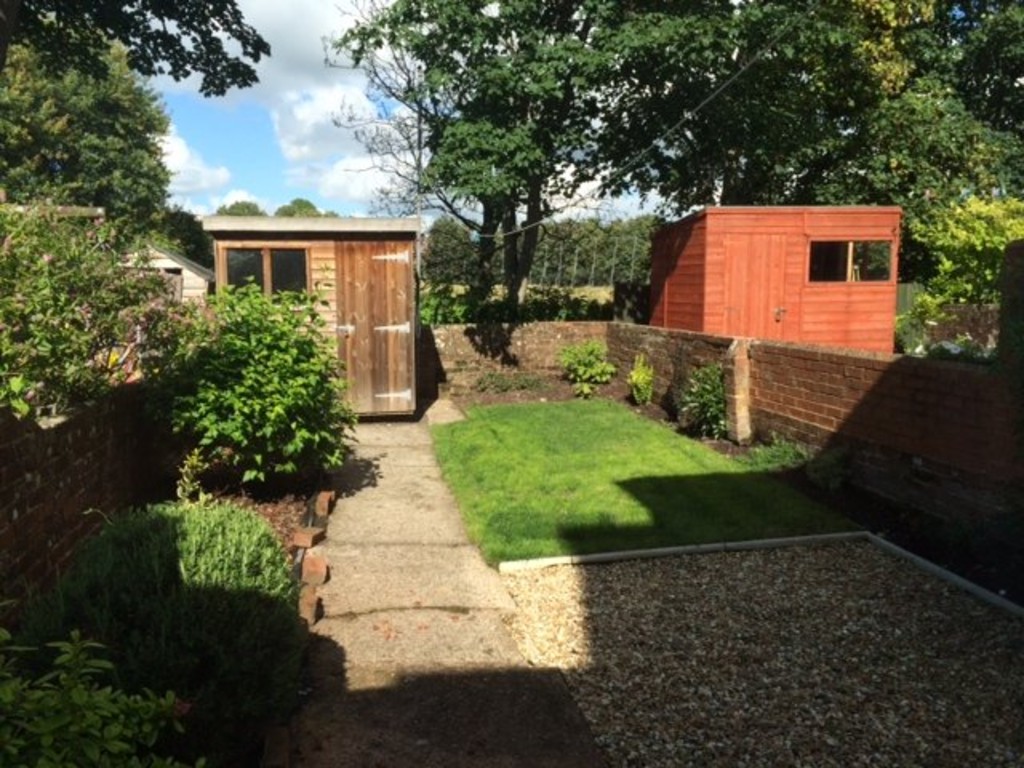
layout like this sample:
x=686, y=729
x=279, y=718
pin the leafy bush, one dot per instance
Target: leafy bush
x=67, y=717
x=253, y=382
x=968, y=241
x=641, y=380
x=586, y=366
x=72, y=311
x=701, y=402
x=195, y=599
x=502, y=381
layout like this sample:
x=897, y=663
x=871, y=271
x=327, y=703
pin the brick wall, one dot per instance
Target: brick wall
x=932, y=434
x=462, y=352
x=57, y=482
x=670, y=352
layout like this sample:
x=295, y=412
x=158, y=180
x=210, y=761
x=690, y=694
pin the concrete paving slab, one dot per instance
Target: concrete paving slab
x=412, y=665
x=373, y=577
x=436, y=639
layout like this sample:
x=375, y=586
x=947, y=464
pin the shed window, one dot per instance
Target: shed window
x=273, y=269
x=839, y=261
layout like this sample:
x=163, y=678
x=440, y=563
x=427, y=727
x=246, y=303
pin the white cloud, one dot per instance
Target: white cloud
x=349, y=180
x=305, y=121
x=189, y=172
x=303, y=96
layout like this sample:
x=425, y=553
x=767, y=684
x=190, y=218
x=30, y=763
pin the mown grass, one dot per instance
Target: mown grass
x=590, y=476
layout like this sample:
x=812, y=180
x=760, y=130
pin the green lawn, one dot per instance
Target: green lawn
x=591, y=476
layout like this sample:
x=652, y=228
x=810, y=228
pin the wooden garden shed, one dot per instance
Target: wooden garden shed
x=363, y=269
x=814, y=275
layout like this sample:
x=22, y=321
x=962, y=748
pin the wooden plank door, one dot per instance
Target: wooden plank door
x=754, y=286
x=376, y=324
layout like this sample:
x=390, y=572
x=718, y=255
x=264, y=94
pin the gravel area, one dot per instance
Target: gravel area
x=837, y=655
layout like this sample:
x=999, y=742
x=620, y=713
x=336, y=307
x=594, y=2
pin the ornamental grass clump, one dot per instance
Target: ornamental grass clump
x=194, y=599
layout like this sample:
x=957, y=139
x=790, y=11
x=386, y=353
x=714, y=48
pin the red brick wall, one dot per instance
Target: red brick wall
x=57, y=482
x=463, y=352
x=668, y=351
x=945, y=412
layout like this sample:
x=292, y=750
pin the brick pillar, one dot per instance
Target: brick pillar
x=737, y=391
x=1011, y=333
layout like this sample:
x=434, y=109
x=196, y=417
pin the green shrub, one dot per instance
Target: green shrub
x=502, y=381
x=701, y=402
x=195, y=599
x=586, y=366
x=67, y=716
x=254, y=384
x=641, y=380
x=71, y=311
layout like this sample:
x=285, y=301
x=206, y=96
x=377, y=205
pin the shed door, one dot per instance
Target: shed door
x=376, y=327
x=755, y=272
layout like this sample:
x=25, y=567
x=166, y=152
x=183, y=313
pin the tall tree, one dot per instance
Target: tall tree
x=241, y=208
x=82, y=139
x=500, y=102
x=173, y=37
x=299, y=206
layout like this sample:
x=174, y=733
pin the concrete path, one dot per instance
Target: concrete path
x=411, y=664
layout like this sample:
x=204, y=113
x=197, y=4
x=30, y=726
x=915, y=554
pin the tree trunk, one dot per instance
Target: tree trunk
x=8, y=23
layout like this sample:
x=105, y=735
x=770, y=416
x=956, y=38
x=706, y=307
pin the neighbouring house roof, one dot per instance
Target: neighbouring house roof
x=308, y=224
x=157, y=254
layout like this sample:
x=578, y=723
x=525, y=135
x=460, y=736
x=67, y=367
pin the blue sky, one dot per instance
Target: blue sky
x=277, y=140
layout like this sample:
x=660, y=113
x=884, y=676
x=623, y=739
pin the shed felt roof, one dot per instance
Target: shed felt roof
x=185, y=263
x=317, y=224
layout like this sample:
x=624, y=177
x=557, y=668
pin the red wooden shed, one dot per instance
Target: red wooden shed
x=815, y=275
x=363, y=271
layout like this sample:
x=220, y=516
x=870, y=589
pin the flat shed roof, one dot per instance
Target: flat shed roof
x=311, y=224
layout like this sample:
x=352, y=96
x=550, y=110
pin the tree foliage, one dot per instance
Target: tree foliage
x=241, y=208
x=210, y=39
x=82, y=139
x=508, y=108
x=299, y=206
x=501, y=92
x=969, y=241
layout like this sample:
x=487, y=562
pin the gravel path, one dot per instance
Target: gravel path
x=807, y=656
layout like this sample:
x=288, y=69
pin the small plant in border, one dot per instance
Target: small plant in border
x=641, y=380
x=586, y=366
x=701, y=402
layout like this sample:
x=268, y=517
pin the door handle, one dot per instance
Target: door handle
x=780, y=312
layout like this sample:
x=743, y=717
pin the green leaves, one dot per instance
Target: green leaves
x=66, y=714
x=71, y=311
x=254, y=383
x=586, y=366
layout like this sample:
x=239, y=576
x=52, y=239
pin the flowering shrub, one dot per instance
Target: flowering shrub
x=72, y=311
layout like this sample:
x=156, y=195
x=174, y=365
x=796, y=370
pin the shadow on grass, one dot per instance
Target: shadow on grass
x=706, y=509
